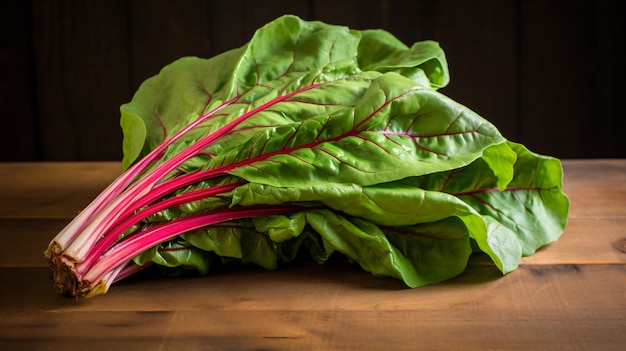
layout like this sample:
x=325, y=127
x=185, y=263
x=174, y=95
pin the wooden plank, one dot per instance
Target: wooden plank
x=596, y=188
x=18, y=135
x=256, y=14
x=52, y=189
x=607, y=70
x=227, y=26
x=83, y=76
x=234, y=22
x=163, y=31
x=409, y=21
x=551, y=307
x=84, y=68
x=479, y=40
x=339, y=287
x=317, y=330
x=585, y=241
x=33, y=210
x=567, y=296
x=68, y=187
x=31, y=236
x=356, y=14
x=557, y=108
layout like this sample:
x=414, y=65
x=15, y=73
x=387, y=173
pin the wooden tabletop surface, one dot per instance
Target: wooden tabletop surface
x=570, y=295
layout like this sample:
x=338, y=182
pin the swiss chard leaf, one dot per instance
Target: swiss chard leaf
x=424, y=62
x=285, y=55
x=396, y=130
x=517, y=192
x=532, y=206
x=318, y=138
x=183, y=88
x=291, y=45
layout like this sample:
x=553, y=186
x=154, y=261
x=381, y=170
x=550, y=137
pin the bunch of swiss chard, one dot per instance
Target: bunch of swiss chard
x=310, y=140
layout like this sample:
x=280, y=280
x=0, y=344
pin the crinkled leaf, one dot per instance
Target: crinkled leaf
x=436, y=250
x=175, y=254
x=280, y=227
x=289, y=45
x=223, y=239
x=182, y=88
x=386, y=204
x=518, y=193
x=424, y=62
x=533, y=205
x=389, y=229
x=135, y=133
x=396, y=130
x=284, y=55
x=346, y=123
x=264, y=241
x=424, y=254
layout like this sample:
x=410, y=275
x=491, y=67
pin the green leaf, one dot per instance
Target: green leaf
x=264, y=241
x=432, y=230
x=287, y=45
x=286, y=54
x=436, y=250
x=224, y=240
x=280, y=227
x=424, y=62
x=135, y=133
x=386, y=204
x=501, y=244
x=533, y=205
x=349, y=125
x=175, y=254
x=424, y=254
x=185, y=87
x=396, y=130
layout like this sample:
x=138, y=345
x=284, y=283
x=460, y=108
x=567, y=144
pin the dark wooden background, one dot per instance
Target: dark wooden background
x=549, y=74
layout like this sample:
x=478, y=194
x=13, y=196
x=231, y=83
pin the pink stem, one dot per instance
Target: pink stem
x=125, y=250
x=67, y=237
x=113, y=235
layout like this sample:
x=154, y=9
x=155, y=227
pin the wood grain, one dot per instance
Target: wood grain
x=554, y=100
x=483, y=57
x=568, y=296
x=549, y=74
x=83, y=75
x=318, y=307
x=163, y=31
x=16, y=84
x=52, y=190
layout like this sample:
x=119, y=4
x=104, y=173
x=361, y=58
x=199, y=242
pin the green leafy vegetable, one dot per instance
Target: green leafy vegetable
x=311, y=140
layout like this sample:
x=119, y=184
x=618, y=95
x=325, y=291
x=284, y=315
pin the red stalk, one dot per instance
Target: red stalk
x=125, y=250
x=82, y=245
x=113, y=235
x=74, y=228
x=111, y=215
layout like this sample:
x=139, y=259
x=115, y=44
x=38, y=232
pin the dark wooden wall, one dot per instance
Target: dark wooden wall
x=549, y=74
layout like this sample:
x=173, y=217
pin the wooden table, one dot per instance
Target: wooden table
x=571, y=295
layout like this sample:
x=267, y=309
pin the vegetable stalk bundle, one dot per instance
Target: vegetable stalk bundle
x=312, y=139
